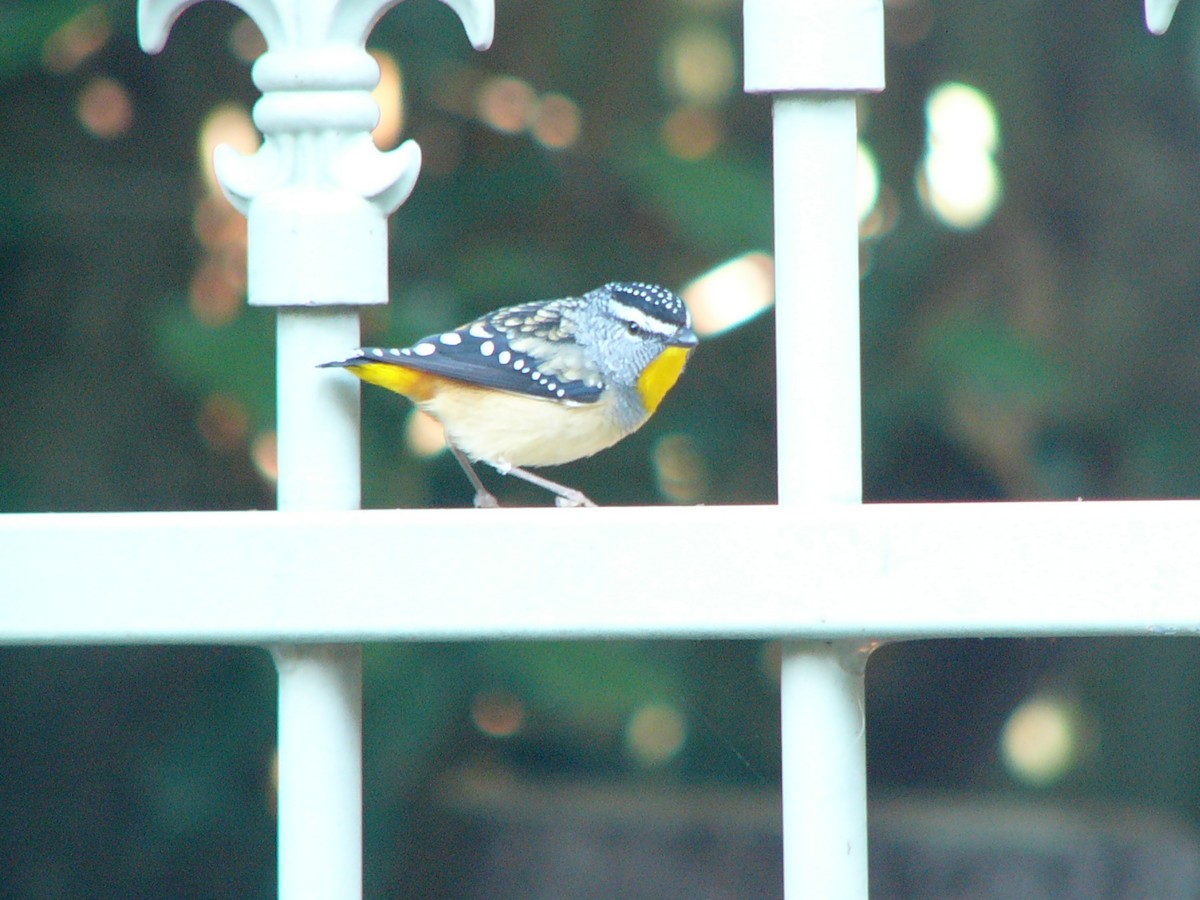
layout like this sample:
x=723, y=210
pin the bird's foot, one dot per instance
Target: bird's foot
x=572, y=500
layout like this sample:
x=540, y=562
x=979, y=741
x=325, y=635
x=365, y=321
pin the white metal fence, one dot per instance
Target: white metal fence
x=820, y=571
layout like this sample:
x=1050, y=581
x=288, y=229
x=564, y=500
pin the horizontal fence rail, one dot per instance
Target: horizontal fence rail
x=826, y=575
x=872, y=572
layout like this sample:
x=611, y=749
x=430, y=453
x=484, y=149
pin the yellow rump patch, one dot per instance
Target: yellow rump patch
x=414, y=385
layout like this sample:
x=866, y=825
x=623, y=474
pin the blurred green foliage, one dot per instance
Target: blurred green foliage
x=1049, y=353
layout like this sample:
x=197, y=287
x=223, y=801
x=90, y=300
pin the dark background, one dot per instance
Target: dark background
x=1049, y=351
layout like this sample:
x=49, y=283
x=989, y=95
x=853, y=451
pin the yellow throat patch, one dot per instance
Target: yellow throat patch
x=660, y=376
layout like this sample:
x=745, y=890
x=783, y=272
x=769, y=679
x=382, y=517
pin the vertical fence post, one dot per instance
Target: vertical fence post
x=320, y=686
x=815, y=57
x=317, y=195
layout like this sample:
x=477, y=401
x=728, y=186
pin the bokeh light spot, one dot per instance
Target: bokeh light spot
x=557, y=122
x=1040, y=741
x=216, y=290
x=691, y=133
x=223, y=422
x=264, y=451
x=959, y=114
x=867, y=182
x=506, y=104
x=731, y=294
x=246, y=42
x=497, y=714
x=225, y=124
x=959, y=181
x=75, y=40
x=217, y=225
x=424, y=434
x=655, y=734
x=883, y=216
x=680, y=469
x=104, y=108
x=698, y=64
x=961, y=189
x=389, y=95
x=219, y=280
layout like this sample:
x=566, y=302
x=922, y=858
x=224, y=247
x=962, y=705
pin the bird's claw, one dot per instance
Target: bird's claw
x=572, y=500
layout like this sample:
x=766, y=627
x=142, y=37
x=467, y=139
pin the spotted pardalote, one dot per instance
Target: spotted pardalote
x=542, y=383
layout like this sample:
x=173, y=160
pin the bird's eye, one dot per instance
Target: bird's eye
x=633, y=328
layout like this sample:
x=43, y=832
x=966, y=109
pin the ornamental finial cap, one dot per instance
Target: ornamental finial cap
x=317, y=193
x=355, y=18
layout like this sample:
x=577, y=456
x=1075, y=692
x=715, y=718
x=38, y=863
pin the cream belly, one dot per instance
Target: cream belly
x=511, y=429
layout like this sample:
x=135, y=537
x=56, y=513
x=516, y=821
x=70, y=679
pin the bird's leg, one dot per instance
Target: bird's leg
x=484, y=499
x=566, y=496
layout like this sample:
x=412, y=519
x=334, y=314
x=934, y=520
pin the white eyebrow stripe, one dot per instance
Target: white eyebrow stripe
x=643, y=321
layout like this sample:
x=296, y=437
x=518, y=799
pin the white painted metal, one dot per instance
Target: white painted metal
x=316, y=195
x=320, y=687
x=813, y=45
x=824, y=772
x=320, y=771
x=816, y=56
x=820, y=462
x=816, y=309
x=856, y=573
x=318, y=412
x=1159, y=14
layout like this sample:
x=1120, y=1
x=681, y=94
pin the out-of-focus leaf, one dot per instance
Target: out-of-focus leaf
x=585, y=680
x=26, y=25
x=721, y=204
x=237, y=359
x=987, y=357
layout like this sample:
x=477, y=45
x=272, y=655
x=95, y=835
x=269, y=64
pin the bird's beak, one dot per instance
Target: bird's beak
x=684, y=337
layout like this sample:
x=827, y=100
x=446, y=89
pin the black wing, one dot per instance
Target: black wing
x=480, y=353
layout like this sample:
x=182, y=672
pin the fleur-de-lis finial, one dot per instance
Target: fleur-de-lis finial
x=310, y=22
x=318, y=192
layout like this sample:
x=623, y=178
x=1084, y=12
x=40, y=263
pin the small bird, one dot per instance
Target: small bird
x=542, y=383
